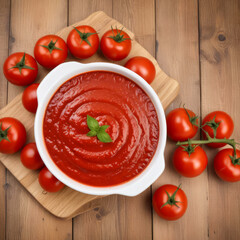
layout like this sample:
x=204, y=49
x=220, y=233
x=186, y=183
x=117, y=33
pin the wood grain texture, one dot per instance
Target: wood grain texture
x=136, y=211
x=178, y=55
x=67, y=202
x=4, y=34
x=25, y=218
x=89, y=225
x=80, y=9
x=220, y=61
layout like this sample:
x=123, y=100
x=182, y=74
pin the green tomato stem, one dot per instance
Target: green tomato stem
x=230, y=142
x=212, y=140
x=4, y=133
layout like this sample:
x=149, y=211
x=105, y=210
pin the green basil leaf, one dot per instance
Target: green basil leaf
x=104, y=137
x=96, y=130
x=103, y=128
x=92, y=123
x=92, y=133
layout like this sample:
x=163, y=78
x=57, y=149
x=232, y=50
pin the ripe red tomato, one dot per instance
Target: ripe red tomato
x=50, y=51
x=115, y=44
x=223, y=125
x=190, y=166
x=83, y=41
x=30, y=157
x=48, y=182
x=12, y=135
x=29, y=98
x=20, y=69
x=143, y=67
x=181, y=124
x=226, y=167
x=170, y=202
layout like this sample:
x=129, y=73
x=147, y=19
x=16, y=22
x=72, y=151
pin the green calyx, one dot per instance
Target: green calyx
x=189, y=148
x=20, y=65
x=118, y=37
x=51, y=46
x=4, y=133
x=96, y=130
x=193, y=120
x=214, y=125
x=235, y=160
x=84, y=36
x=171, y=199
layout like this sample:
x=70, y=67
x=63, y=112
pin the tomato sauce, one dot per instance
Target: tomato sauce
x=113, y=100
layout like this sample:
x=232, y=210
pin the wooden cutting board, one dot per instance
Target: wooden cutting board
x=68, y=203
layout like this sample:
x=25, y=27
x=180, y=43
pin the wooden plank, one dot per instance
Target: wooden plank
x=25, y=218
x=80, y=9
x=139, y=16
x=178, y=55
x=4, y=34
x=219, y=44
x=88, y=225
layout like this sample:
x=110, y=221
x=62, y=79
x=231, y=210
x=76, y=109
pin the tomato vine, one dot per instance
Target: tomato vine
x=214, y=125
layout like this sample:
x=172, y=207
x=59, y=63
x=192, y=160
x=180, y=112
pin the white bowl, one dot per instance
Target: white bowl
x=48, y=87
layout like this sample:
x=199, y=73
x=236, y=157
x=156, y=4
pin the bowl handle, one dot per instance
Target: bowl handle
x=143, y=184
x=50, y=79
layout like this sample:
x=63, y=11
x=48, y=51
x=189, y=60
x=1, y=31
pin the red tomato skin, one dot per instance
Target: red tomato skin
x=224, y=130
x=113, y=50
x=43, y=55
x=29, y=98
x=30, y=157
x=16, y=134
x=224, y=167
x=179, y=128
x=13, y=75
x=80, y=49
x=169, y=212
x=143, y=67
x=191, y=166
x=48, y=182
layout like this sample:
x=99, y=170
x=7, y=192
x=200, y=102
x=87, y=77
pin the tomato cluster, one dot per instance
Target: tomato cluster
x=83, y=42
x=190, y=160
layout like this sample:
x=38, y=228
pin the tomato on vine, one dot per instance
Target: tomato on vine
x=83, y=41
x=190, y=160
x=20, y=69
x=115, y=44
x=170, y=202
x=50, y=51
x=181, y=124
x=219, y=125
x=227, y=165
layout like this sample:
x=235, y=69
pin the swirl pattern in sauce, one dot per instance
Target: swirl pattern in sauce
x=113, y=100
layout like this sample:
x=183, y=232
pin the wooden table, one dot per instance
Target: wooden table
x=195, y=42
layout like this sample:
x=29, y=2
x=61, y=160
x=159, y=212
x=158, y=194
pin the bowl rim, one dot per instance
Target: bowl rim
x=47, y=88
